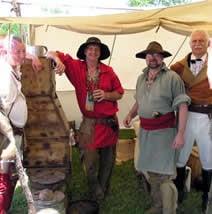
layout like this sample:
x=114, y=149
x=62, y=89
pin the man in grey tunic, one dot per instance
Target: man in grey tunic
x=159, y=94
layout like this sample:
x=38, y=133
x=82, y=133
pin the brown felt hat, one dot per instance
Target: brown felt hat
x=153, y=47
x=105, y=52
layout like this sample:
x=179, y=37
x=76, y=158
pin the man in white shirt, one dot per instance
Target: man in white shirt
x=13, y=105
x=193, y=70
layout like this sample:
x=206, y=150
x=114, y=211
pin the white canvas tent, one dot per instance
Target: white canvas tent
x=125, y=34
x=179, y=19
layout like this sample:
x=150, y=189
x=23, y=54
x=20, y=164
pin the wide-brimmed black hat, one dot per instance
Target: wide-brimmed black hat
x=153, y=47
x=105, y=52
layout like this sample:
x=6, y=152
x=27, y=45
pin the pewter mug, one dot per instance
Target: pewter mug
x=37, y=50
x=5, y=165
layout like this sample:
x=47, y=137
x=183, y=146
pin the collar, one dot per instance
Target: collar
x=203, y=58
x=100, y=67
x=16, y=72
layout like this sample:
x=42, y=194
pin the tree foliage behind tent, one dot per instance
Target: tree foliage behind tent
x=157, y=3
x=13, y=28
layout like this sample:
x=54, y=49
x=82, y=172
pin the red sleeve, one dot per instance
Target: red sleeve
x=73, y=67
x=116, y=83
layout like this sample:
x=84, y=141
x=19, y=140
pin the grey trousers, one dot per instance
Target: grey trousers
x=163, y=193
x=98, y=165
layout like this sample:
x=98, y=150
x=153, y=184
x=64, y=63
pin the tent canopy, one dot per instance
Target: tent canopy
x=178, y=19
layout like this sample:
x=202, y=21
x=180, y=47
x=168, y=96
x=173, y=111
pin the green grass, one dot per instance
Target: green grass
x=124, y=192
x=126, y=134
x=19, y=205
x=126, y=196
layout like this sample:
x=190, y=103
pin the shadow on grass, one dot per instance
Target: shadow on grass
x=126, y=196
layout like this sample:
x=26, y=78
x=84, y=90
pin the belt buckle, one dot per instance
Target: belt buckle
x=156, y=114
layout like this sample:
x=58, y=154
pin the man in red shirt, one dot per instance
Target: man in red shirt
x=97, y=89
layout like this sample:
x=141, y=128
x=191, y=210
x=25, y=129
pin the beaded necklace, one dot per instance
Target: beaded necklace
x=151, y=76
x=92, y=83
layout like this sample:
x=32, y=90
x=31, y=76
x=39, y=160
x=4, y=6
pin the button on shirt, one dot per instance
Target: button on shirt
x=197, y=64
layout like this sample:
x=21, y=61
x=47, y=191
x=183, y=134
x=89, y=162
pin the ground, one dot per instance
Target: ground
x=126, y=195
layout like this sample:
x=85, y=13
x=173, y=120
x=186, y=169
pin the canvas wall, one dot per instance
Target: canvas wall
x=123, y=55
x=123, y=60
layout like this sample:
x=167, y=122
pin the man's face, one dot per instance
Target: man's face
x=92, y=52
x=199, y=44
x=154, y=60
x=16, y=53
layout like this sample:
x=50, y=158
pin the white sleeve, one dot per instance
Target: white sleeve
x=8, y=90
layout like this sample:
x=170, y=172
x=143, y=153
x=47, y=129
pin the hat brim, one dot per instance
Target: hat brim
x=105, y=52
x=143, y=54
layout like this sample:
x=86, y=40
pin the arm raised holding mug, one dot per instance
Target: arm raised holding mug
x=97, y=89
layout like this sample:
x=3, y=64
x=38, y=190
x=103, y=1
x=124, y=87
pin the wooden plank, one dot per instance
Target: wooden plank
x=46, y=153
x=46, y=142
x=38, y=83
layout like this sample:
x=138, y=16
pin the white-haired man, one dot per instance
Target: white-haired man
x=13, y=104
x=193, y=71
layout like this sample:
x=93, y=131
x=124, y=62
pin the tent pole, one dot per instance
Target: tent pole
x=16, y=8
x=178, y=50
x=31, y=35
x=114, y=40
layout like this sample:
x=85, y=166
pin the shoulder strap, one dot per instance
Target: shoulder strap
x=18, y=79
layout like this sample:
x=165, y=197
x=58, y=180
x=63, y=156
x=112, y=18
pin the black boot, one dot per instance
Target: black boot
x=180, y=183
x=206, y=182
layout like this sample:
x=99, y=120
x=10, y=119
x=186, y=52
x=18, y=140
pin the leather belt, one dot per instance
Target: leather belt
x=111, y=121
x=205, y=109
x=18, y=131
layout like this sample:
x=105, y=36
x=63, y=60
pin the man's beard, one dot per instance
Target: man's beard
x=154, y=66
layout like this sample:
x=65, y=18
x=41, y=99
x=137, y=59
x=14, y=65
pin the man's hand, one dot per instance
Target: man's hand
x=127, y=121
x=98, y=95
x=60, y=67
x=36, y=64
x=178, y=141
